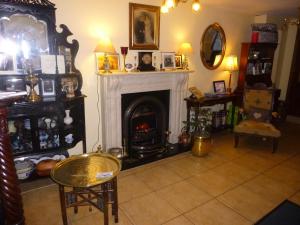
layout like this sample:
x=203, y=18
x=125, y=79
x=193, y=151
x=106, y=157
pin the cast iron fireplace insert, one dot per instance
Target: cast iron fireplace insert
x=145, y=120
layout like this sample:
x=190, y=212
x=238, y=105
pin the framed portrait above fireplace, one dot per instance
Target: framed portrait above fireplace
x=144, y=23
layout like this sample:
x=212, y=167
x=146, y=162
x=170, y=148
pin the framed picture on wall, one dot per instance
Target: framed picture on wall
x=168, y=60
x=219, y=87
x=144, y=25
x=113, y=59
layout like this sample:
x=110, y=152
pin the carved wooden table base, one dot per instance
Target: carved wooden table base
x=9, y=185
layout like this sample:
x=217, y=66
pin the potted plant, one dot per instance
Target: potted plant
x=200, y=125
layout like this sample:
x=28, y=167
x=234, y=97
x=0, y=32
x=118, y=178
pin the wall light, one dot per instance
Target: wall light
x=196, y=5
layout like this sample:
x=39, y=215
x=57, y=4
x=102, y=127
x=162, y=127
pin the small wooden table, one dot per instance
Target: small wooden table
x=210, y=101
x=93, y=181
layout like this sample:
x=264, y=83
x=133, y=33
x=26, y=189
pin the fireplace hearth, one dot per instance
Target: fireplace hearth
x=145, y=121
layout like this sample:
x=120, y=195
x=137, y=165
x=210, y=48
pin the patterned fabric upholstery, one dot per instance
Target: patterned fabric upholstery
x=258, y=106
x=259, y=99
x=257, y=128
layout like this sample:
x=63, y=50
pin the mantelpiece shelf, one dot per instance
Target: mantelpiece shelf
x=120, y=73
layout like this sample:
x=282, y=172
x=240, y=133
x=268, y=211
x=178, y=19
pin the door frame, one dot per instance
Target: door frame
x=294, y=72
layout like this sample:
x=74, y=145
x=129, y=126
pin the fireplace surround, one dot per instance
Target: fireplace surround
x=113, y=86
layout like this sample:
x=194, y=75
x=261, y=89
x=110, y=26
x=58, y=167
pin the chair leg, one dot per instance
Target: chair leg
x=236, y=140
x=275, y=144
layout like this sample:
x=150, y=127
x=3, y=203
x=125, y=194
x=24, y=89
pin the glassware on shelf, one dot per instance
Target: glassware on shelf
x=124, y=52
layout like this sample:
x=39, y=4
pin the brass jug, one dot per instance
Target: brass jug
x=202, y=145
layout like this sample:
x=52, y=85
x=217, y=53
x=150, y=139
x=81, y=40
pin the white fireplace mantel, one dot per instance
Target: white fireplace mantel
x=115, y=84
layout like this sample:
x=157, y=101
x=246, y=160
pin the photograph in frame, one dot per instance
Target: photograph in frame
x=144, y=27
x=168, y=60
x=219, y=87
x=48, y=87
x=178, y=61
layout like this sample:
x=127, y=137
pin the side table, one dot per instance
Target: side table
x=92, y=180
x=210, y=101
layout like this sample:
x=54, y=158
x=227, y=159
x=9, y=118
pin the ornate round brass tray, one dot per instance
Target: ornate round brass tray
x=86, y=170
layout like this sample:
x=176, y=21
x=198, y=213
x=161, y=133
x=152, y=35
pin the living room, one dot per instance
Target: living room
x=102, y=88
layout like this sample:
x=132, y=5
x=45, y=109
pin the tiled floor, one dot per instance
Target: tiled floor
x=228, y=187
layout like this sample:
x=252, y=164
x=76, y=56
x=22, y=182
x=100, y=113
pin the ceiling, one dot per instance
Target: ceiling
x=259, y=7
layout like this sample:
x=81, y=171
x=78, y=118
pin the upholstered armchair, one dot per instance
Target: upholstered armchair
x=257, y=116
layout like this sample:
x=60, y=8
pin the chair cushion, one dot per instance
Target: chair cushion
x=257, y=128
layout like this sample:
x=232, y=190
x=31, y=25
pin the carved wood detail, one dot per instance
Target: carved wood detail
x=9, y=186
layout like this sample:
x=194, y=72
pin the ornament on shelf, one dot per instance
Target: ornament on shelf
x=68, y=120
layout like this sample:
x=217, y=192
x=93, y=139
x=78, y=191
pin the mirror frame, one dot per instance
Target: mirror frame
x=217, y=27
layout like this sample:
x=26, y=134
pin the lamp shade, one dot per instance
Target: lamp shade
x=185, y=49
x=231, y=63
x=105, y=46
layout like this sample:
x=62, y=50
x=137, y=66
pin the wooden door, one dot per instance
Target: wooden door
x=293, y=92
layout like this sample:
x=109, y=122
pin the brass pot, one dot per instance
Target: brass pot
x=201, y=146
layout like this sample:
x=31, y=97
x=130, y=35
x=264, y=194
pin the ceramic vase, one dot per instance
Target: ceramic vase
x=68, y=119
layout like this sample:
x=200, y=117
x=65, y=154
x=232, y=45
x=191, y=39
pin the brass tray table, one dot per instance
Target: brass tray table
x=93, y=181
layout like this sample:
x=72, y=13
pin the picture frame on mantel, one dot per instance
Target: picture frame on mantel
x=144, y=27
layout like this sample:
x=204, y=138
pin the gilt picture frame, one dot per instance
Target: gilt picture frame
x=144, y=27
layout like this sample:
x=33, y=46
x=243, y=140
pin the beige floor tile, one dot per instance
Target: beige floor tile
x=236, y=173
x=158, y=177
x=97, y=219
x=181, y=220
x=215, y=213
x=186, y=167
x=131, y=187
x=210, y=161
x=149, y=210
x=269, y=188
x=212, y=183
x=296, y=198
x=247, y=203
x=183, y=196
x=293, y=162
x=255, y=162
x=286, y=175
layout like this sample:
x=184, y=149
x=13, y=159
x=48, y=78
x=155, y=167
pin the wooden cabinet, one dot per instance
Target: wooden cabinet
x=256, y=63
x=40, y=129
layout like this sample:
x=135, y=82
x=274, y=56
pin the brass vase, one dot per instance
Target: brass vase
x=202, y=145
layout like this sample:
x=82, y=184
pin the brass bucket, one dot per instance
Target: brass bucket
x=201, y=146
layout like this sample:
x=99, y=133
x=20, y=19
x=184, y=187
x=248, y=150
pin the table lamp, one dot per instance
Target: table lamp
x=231, y=66
x=105, y=47
x=185, y=50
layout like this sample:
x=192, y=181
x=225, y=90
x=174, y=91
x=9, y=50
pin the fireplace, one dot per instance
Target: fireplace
x=145, y=121
x=117, y=85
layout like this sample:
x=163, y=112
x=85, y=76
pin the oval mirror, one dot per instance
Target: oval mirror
x=212, y=46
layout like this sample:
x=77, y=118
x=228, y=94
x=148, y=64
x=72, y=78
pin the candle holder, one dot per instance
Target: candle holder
x=32, y=80
x=124, y=52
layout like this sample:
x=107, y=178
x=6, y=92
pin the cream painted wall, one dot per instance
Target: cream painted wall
x=91, y=19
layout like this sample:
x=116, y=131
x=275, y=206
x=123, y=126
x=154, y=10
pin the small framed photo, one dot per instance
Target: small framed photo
x=47, y=87
x=14, y=84
x=168, y=60
x=145, y=62
x=219, y=87
x=7, y=64
x=113, y=59
x=178, y=61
